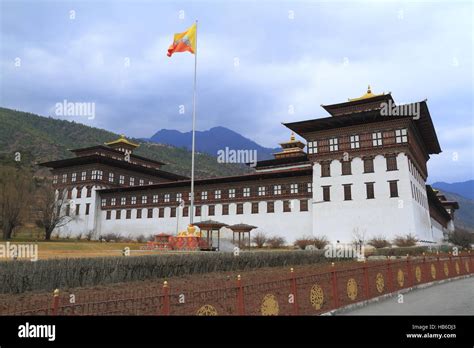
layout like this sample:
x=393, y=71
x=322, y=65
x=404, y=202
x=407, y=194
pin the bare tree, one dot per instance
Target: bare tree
x=260, y=239
x=51, y=209
x=15, y=193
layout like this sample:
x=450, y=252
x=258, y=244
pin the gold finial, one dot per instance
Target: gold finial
x=165, y=284
x=368, y=90
x=56, y=293
x=292, y=137
x=291, y=270
x=238, y=277
x=332, y=264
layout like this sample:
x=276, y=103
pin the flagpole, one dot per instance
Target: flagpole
x=191, y=214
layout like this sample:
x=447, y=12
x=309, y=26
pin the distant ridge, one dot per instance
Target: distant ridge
x=465, y=188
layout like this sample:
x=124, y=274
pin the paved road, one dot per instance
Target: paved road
x=451, y=298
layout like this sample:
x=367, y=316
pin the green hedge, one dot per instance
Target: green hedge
x=20, y=276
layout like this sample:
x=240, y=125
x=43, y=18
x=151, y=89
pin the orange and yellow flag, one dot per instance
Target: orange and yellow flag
x=183, y=42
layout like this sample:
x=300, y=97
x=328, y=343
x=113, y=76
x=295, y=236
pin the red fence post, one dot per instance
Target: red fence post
x=438, y=262
x=55, y=302
x=334, y=287
x=293, y=291
x=240, y=297
x=425, y=268
x=166, y=299
x=366, y=279
x=390, y=275
x=410, y=281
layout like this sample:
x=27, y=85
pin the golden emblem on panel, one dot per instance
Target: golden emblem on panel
x=379, y=282
x=433, y=271
x=269, y=305
x=352, y=289
x=456, y=266
x=316, y=296
x=418, y=274
x=400, y=277
x=446, y=269
x=466, y=265
x=207, y=310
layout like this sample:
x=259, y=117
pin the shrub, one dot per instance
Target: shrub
x=461, y=238
x=405, y=241
x=302, y=243
x=402, y=251
x=276, y=242
x=379, y=242
x=140, y=238
x=111, y=237
x=320, y=242
x=260, y=239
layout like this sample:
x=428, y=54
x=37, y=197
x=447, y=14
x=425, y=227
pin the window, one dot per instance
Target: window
x=310, y=187
x=111, y=177
x=304, y=205
x=312, y=147
x=286, y=206
x=391, y=162
x=69, y=194
x=123, y=200
x=155, y=199
x=294, y=188
x=401, y=136
x=277, y=189
x=89, y=191
x=261, y=191
x=132, y=181
x=270, y=207
x=355, y=142
x=231, y=193
x=393, y=188
x=212, y=210
x=104, y=202
x=173, y=212
x=186, y=211
x=150, y=182
x=167, y=197
x=240, y=208
x=246, y=191
x=55, y=179
x=134, y=200
x=369, y=188
x=368, y=165
x=79, y=192
x=204, y=195
x=108, y=215
x=150, y=213
x=377, y=139
x=347, y=192
x=88, y=206
x=217, y=194
x=64, y=178
x=121, y=179
x=77, y=208
x=333, y=145
x=179, y=197
x=99, y=174
x=326, y=193
x=83, y=176
x=144, y=199
x=346, y=168
x=128, y=214
x=139, y=213
x=118, y=214
x=161, y=212
x=325, y=169
x=198, y=211
x=225, y=209
x=141, y=182
x=73, y=177
x=255, y=208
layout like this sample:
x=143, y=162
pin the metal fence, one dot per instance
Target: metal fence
x=307, y=293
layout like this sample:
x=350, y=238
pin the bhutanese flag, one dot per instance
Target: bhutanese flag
x=185, y=41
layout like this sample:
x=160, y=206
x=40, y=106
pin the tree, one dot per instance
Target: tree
x=259, y=239
x=461, y=237
x=51, y=204
x=16, y=186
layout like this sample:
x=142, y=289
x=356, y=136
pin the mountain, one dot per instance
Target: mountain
x=211, y=141
x=40, y=139
x=464, y=216
x=465, y=188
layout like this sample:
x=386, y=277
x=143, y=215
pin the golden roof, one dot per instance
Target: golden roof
x=122, y=140
x=367, y=95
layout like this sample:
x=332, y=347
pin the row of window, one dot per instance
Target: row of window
x=77, y=209
x=217, y=194
x=415, y=173
x=401, y=136
x=369, y=187
x=346, y=166
x=99, y=175
x=239, y=210
x=419, y=196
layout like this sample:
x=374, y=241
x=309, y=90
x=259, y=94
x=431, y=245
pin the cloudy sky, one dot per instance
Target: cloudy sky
x=259, y=64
